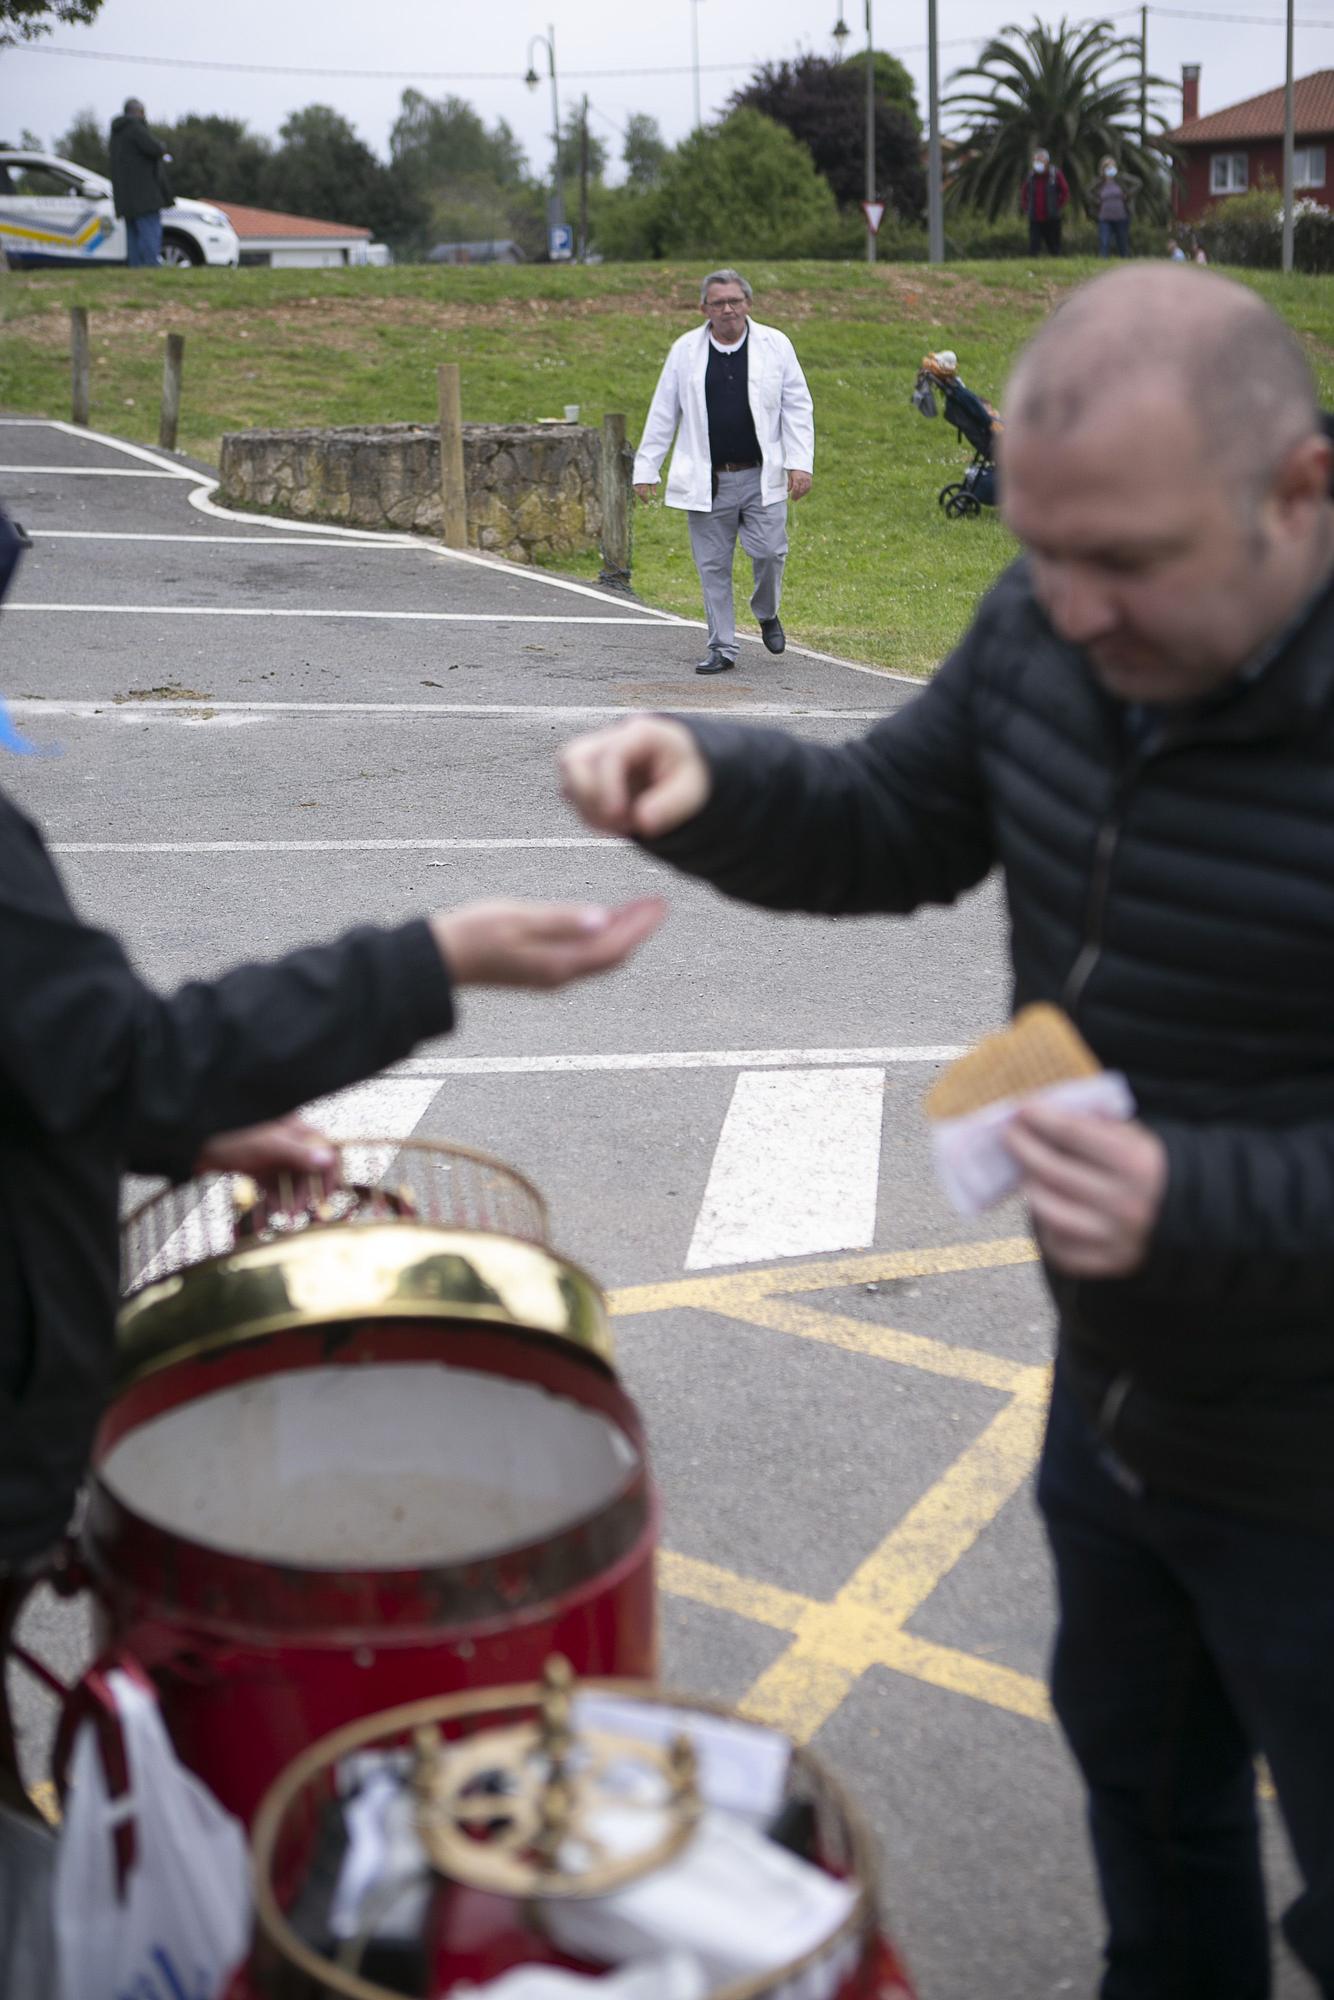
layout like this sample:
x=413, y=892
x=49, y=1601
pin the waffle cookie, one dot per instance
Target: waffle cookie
x=1041, y=1046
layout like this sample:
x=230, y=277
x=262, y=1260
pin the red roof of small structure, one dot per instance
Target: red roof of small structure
x=266, y=222
x=1262, y=117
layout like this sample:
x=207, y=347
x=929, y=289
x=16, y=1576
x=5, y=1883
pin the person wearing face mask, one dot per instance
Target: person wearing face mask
x=1042, y=198
x=1111, y=210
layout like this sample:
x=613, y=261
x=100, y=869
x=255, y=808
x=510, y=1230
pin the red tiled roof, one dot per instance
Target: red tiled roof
x=266, y=222
x=1262, y=117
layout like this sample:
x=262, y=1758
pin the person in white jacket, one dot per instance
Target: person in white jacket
x=733, y=396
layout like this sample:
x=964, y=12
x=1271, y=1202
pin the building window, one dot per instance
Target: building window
x=1227, y=173
x=1308, y=167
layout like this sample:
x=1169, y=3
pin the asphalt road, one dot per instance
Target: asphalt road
x=265, y=736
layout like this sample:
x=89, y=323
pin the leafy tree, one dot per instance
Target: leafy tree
x=822, y=104
x=893, y=83
x=25, y=20
x=217, y=158
x=86, y=143
x=644, y=152
x=322, y=168
x=1074, y=89
x=442, y=139
x=742, y=188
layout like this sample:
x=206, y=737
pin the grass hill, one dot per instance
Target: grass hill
x=876, y=573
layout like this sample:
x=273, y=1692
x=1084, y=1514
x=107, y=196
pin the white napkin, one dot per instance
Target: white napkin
x=742, y=1766
x=973, y=1163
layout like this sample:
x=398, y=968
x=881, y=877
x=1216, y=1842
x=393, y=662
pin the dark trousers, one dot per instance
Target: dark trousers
x=1044, y=236
x=1189, y=1640
x=1114, y=236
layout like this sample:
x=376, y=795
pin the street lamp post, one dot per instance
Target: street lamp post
x=1289, y=177
x=841, y=32
x=556, y=206
x=935, y=204
x=694, y=57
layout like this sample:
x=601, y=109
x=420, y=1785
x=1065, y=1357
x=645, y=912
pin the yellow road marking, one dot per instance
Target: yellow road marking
x=833, y=1643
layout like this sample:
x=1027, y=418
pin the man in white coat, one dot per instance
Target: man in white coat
x=733, y=396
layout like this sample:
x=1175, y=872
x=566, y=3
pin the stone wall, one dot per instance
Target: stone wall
x=533, y=490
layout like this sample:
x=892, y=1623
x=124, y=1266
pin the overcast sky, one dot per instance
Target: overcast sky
x=479, y=49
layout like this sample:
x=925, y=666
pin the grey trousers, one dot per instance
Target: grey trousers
x=738, y=511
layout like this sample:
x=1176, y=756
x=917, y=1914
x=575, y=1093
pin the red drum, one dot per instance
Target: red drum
x=362, y=1462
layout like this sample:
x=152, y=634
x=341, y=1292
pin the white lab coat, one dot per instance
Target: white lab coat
x=780, y=403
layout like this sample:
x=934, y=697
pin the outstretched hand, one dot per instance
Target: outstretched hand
x=542, y=945
x=643, y=778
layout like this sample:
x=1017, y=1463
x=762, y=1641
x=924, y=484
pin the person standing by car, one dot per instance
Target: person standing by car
x=1111, y=210
x=1043, y=194
x=733, y=396
x=139, y=183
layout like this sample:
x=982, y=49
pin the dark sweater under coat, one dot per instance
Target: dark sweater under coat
x=732, y=436
x=99, y=1074
x=1174, y=889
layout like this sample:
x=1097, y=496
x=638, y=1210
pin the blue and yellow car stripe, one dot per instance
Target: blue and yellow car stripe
x=90, y=230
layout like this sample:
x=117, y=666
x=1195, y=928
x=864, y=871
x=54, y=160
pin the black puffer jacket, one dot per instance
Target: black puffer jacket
x=139, y=184
x=1175, y=892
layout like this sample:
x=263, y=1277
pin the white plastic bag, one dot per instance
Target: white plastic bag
x=183, y=1922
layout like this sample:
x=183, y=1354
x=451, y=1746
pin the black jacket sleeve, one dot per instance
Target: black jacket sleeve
x=1247, y=1213
x=894, y=820
x=87, y=1047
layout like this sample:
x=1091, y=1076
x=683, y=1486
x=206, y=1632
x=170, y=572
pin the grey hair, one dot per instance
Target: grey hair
x=725, y=278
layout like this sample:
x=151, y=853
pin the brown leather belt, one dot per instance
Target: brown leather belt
x=739, y=465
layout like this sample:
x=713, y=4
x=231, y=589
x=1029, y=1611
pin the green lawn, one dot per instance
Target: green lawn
x=875, y=574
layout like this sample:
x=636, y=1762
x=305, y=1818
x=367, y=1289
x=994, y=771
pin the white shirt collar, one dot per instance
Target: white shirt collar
x=736, y=346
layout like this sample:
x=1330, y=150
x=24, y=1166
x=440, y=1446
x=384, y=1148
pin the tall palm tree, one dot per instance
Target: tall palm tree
x=1074, y=89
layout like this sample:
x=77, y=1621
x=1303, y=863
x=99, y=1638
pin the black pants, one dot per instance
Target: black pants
x=1190, y=1640
x=1044, y=236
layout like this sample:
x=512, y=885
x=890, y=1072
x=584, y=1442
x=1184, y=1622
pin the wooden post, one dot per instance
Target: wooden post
x=453, y=490
x=171, y=391
x=615, y=505
x=79, y=368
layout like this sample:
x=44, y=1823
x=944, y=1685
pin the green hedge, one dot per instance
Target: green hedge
x=1247, y=229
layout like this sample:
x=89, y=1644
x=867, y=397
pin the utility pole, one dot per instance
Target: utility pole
x=583, y=183
x=870, y=133
x=1288, y=163
x=1143, y=77
x=694, y=58
x=935, y=192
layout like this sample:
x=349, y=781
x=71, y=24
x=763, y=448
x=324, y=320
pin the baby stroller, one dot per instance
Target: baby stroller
x=977, y=424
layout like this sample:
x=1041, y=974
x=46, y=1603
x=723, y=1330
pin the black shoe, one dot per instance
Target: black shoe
x=716, y=663
x=773, y=635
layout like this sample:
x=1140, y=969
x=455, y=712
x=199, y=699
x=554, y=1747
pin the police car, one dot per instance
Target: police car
x=52, y=212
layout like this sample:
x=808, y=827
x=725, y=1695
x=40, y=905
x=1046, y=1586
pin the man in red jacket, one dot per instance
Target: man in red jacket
x=1042, y=198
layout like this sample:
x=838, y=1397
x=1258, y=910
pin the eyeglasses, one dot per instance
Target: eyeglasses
x=726, y=305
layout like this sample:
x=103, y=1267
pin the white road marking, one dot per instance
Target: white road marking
x=210, y=541
x=324, y=846
x=267, y=611
x=797, y=1168
x=389, y=1107
x=595, y=1063
x=114, y=709
x=87, y=472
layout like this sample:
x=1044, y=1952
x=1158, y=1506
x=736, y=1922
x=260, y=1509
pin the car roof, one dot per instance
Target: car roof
x=23, y=156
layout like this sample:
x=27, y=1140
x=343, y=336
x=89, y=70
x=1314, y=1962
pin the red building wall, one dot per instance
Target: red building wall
x=1264, y=162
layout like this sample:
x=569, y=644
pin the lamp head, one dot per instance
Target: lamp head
x=532, y=79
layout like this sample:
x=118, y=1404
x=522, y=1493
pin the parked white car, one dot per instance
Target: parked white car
x=52, y=212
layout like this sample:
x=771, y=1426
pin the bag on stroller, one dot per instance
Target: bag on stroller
x=977, y=424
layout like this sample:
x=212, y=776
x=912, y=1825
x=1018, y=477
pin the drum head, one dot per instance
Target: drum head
x=407, y=1465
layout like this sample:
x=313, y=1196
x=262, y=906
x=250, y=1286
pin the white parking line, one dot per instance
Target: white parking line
x=676, y=1059
x=324, y=846
x=796, y=1171
x=268, y=611
x=209, y=541
x=113, y=710
x=87, y=472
